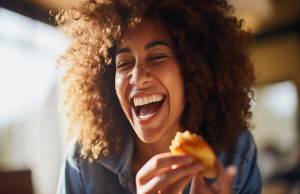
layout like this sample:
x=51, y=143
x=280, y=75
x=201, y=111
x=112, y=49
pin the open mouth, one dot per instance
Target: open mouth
x=147, y=110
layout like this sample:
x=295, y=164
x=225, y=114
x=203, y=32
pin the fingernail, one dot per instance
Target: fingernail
x=232, y=170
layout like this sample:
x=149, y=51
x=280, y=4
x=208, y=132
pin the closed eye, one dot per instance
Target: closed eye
x=124, y=65
x=157, y=58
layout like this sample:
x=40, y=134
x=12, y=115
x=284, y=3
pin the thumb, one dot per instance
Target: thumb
x=199, y=185
x=228, y=178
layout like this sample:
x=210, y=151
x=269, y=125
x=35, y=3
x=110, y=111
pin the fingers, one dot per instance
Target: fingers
x=223, y=184
x=161, y=161
x=178, y=186
x=225, y=180
x=220, y=168
x=200, y=186
x=168, y=178
x=170, y=174
x=226, y=183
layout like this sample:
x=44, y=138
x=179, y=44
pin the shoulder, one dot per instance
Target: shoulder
x=244, y=157
x=95, y=177
x=70, y=180
x=245, y=146
x=242, y=150
x=72, y=156
x=86, y=168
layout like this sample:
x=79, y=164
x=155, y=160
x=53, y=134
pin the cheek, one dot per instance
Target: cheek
x=118, y=85
x=178, y=96
x=120, y=88
x=172, y=80
x=176, y=91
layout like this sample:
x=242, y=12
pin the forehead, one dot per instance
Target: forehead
x=144, y=32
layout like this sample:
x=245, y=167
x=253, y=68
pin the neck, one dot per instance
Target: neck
x=144, y=151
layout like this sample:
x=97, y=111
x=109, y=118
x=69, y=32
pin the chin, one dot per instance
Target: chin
x=149, y=136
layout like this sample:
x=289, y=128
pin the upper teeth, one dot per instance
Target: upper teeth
x=139, y=101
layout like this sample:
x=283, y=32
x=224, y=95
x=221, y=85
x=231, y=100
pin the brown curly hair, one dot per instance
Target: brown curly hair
x=210, y=46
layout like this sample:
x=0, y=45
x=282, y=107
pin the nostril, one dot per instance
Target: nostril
x=140, y=82
x=133, y=80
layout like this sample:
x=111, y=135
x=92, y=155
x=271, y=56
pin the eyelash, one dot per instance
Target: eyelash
x=123, y=65
x=158, y=57
x=152, y=58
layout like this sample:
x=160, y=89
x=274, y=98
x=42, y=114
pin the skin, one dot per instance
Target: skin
x=146, y=64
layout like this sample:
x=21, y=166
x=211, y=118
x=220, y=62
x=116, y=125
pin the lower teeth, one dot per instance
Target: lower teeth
x=145, y=117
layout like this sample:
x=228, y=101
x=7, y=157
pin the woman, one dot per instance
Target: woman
x=138, y=72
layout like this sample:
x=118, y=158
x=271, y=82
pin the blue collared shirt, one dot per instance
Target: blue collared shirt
x=113, y=175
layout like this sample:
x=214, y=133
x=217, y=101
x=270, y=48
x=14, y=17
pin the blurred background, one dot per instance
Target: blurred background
x=32, y=129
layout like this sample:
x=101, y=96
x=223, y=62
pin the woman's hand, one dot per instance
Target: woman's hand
x=166, y=173
x=222, y=185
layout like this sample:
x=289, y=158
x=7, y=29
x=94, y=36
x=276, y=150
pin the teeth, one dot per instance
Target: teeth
x=139, y=101
x=145, y=117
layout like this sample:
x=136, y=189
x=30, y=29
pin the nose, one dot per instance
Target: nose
x=140, y=77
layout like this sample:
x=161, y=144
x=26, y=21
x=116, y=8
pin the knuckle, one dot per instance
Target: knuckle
x=163, y=177
x=156, y=158
x=142, y=190
x=138, y=178
x=156, y=161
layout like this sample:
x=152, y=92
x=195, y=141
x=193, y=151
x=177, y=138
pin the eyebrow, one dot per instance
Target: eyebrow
x=157, y=43
x=147, y=47
x=123, y=50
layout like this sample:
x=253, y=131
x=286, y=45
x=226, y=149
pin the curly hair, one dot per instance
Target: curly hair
x=211, y=48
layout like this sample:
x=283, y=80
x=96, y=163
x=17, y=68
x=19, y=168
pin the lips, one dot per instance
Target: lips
x=148, y=108
x=145, y=113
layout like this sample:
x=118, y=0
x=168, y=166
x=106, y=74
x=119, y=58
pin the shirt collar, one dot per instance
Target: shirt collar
x=121, y=164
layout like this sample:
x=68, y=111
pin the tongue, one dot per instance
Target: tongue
x=149, y=108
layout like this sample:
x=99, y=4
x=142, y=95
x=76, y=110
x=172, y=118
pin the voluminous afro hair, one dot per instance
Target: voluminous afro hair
x=210, y=46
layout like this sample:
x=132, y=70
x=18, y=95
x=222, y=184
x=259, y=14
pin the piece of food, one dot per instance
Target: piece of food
x=193, y=145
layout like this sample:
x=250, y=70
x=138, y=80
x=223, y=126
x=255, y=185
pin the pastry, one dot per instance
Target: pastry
x=195, y=146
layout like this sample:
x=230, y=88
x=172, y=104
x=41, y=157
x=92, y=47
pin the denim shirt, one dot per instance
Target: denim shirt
x=113, y=175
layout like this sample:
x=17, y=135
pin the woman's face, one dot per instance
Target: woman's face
x=148, y=81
